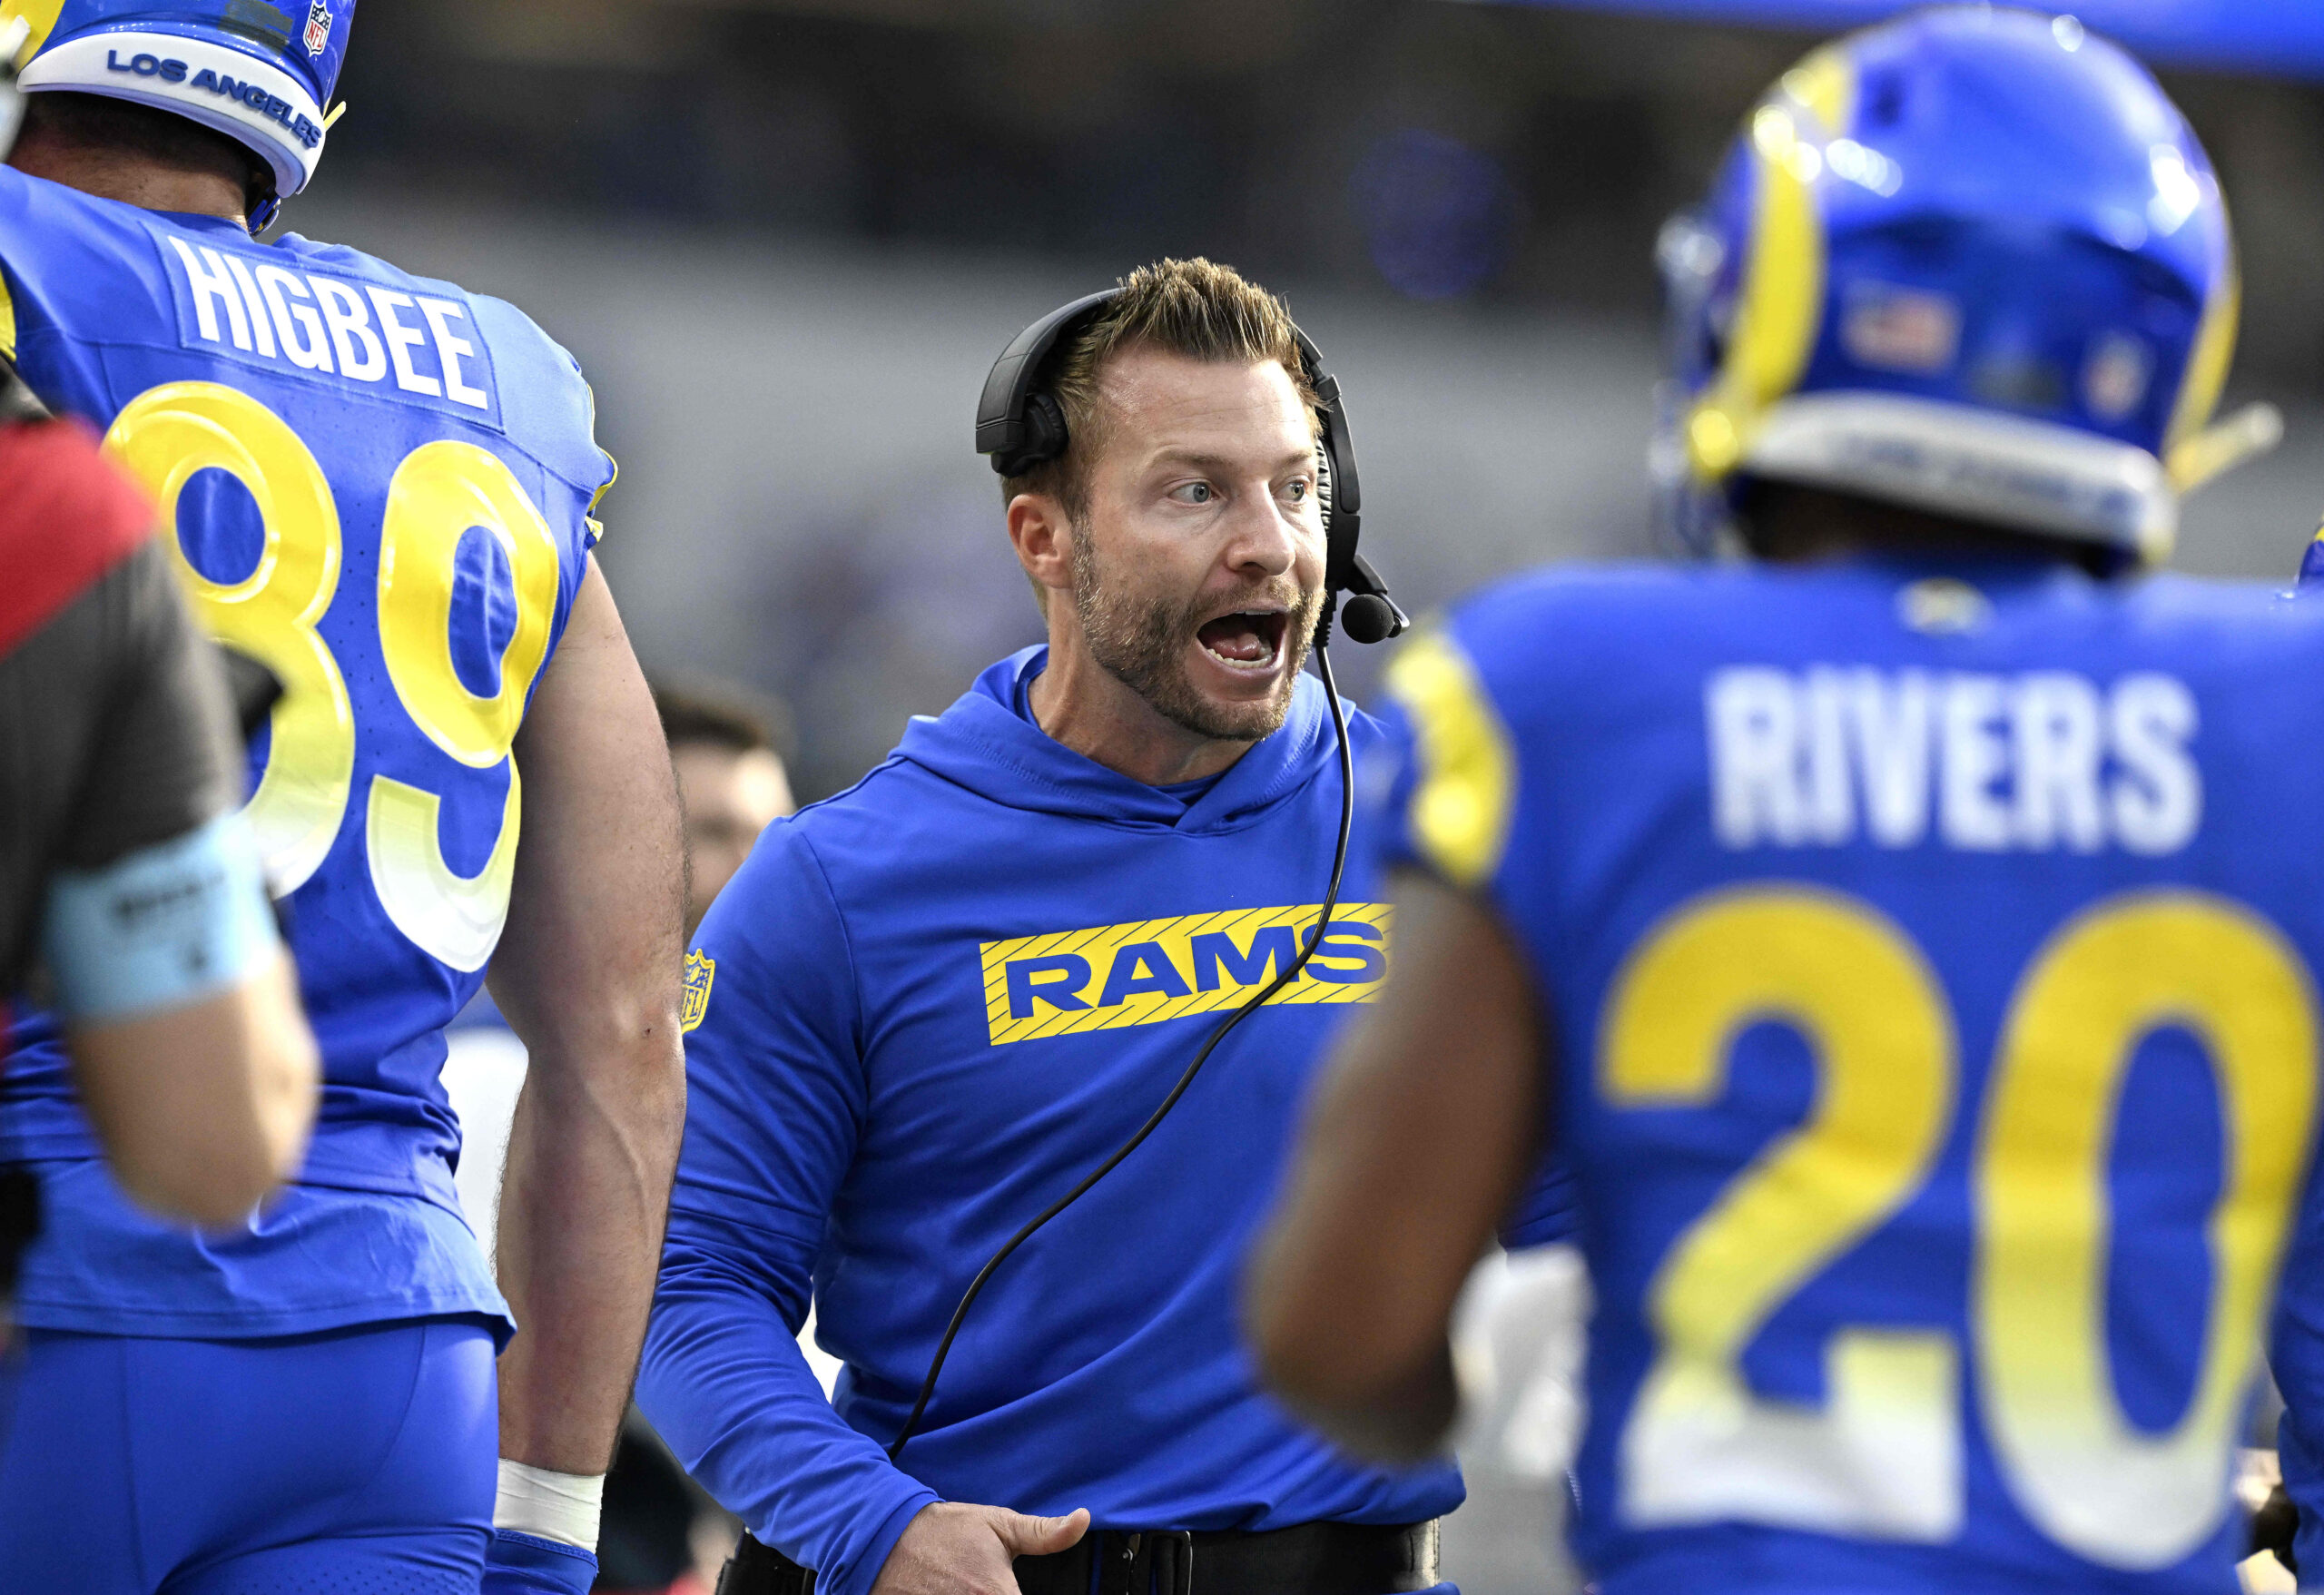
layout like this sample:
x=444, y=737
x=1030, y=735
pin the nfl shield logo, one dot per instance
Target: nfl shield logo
x=700, y=970
x=318, y=27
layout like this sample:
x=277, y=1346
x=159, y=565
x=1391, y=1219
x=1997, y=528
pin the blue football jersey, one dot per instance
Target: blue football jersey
x=380, y=487
x=1929, y=954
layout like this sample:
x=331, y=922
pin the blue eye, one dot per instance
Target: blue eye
x=1193, y=493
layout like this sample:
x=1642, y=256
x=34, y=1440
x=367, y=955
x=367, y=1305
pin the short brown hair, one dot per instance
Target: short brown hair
x=1194, y=308
x=720, y=714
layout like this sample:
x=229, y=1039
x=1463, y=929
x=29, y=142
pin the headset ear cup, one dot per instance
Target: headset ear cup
x=1045, y=437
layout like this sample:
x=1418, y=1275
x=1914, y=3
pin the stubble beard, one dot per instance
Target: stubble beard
x=1140, y=641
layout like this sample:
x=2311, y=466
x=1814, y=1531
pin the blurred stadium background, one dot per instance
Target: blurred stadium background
x=786, y=237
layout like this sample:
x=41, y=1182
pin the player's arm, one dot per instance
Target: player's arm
x=1422, y=1134
x=179, y=1001
x=204, y=1110
x=587, y=973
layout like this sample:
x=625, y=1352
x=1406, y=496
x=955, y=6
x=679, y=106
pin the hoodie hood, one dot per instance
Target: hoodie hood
x=981, y=743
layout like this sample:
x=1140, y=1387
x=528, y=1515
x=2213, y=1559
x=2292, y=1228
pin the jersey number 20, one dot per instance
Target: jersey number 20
x=437, y=493
x=1883, y=1456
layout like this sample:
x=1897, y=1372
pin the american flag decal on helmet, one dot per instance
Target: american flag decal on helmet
x=318, y=27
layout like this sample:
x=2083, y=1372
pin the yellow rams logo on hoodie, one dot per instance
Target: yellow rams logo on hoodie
x=1149, y=970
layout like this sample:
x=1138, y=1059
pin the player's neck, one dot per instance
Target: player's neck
x=1805, y=525
x=134, y=180
x=1081, y=704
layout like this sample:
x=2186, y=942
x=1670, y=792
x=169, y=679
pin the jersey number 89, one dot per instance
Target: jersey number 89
x=1883, y=1457
x=435, y=495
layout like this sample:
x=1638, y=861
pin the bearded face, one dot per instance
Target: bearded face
x=1158, y=642
x=1193, y=544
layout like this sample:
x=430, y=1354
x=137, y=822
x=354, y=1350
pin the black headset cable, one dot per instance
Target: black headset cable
x=1289, y=973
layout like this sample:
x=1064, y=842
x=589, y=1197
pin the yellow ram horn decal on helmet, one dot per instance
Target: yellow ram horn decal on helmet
x=39, y=15
x=1782, y=302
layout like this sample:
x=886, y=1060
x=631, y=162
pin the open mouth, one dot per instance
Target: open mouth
x=1249, y=639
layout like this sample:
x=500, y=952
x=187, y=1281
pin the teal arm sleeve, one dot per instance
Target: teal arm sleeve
x=162, y=927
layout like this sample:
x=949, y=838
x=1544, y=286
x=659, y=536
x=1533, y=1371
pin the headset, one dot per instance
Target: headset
x=1020, y=426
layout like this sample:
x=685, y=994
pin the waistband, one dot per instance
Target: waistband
x=1306, y=1559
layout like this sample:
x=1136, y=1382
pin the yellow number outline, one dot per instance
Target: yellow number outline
x=1884, y=1456
x=163, y=436
x=1881, y=1459
x=2090, y=1479
x=436, y=494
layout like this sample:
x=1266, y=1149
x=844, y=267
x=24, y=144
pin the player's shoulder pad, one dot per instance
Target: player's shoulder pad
x=546, y=406
x=1533, y=625
x=26, y=201
x=2224, y=620
x=54, y=243
x=554, y=401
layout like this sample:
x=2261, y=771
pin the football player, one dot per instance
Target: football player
x=382, y=487
x=1903, y=930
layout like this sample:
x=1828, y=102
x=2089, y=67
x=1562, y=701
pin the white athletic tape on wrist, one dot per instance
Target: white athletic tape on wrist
x=562, y=1507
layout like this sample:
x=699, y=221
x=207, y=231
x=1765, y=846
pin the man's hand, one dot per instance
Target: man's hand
x=954, y=1549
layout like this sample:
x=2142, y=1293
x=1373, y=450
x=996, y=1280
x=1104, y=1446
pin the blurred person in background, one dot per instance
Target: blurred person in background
x=1902, y=930
x=924, y=1009
x=129, y=887
x=728, y=745
x=382, y=487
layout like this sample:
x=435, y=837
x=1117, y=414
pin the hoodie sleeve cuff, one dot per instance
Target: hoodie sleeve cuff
x=865, y=1561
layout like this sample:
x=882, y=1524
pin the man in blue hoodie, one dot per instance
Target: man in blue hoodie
x=926, y=1008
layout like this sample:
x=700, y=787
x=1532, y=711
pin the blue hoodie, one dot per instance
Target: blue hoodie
x=922, y=1011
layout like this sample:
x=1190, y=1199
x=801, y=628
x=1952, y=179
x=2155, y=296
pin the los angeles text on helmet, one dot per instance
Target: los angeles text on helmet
x=273, y=107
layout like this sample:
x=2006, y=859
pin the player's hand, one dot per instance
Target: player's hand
x=526, y=1564
x=952, y=1548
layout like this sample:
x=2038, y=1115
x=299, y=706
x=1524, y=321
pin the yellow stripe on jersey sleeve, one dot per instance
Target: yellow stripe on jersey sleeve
x=1461, y=810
